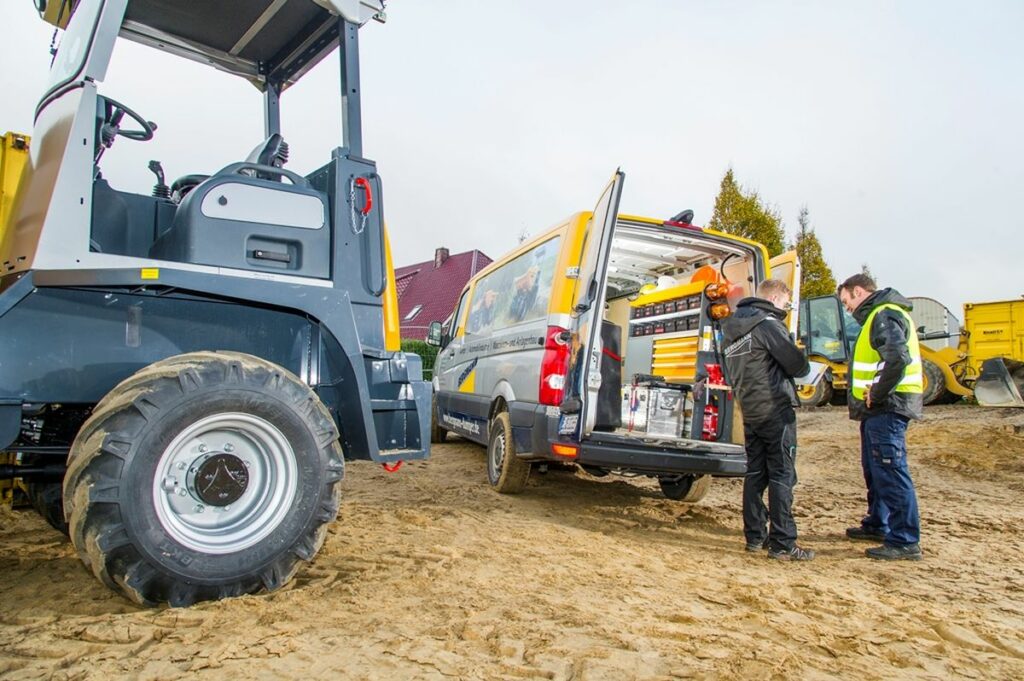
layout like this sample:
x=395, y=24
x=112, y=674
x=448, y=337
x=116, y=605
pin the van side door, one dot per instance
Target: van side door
x=584, y=377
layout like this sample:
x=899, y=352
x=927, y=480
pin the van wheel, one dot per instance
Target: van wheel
x=506, y=472
x=686, y=488
x=203, y=476
x=437, y=433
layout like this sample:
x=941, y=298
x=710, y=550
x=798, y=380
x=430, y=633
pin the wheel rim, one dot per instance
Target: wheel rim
x=225, y=483
x=497, y=457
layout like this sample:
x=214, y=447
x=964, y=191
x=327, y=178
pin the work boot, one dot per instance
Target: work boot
x=795, y=553
x=755, y=547
x=892, y=552
x=862, y=533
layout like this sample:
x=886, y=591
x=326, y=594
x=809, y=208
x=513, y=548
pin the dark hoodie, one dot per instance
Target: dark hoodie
x=761, y=361
x=888, y=335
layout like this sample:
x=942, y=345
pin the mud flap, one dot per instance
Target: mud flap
x=999, y=384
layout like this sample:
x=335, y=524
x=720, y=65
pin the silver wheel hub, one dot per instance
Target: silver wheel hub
x=225, y=483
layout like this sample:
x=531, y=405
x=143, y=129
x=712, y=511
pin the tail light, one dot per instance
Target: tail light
x=554, y=366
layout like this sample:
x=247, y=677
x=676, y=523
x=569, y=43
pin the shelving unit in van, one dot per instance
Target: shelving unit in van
x=672, y=317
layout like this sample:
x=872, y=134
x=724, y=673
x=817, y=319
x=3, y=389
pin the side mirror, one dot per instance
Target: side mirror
x=434, y=334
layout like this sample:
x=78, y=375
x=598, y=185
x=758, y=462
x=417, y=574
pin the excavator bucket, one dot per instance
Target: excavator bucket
x=1000, y=384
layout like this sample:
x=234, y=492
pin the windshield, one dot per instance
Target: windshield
x=827, y=329
x=75, y=45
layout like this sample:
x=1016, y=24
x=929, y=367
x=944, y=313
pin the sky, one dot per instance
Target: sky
x=898, y=124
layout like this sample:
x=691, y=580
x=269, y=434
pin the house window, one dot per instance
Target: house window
x=413, y=312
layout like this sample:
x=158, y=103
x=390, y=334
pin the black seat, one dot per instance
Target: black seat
x=273, y=152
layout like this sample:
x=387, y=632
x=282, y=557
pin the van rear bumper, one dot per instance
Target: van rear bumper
x=606, y=450
x=536, y=431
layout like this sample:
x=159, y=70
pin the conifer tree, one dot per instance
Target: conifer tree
x=816, y=278
x=744, y=214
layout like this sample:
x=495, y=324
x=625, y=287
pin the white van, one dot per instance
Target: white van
x=562, y=352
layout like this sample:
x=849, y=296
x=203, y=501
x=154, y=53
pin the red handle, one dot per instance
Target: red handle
x=364, y=184
x=392, y=467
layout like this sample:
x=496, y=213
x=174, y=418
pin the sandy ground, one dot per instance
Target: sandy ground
x=428, y=574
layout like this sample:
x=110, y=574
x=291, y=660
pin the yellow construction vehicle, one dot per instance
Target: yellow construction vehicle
x=13, y=157
x=985, y=359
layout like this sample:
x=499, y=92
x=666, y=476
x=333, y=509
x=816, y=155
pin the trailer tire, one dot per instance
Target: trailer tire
x=47, y=499
x=203, y=476
x=686, y=488
x=934, y=382
x=506, y=472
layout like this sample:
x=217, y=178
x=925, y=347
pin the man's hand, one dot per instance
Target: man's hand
x=867, y=399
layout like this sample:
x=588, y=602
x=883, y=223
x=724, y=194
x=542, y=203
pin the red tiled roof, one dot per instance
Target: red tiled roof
x=437, y=290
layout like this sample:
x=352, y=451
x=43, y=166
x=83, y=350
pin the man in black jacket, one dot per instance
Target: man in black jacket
x=886, y=389
x=761, y=362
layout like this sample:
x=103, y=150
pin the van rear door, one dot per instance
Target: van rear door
x=786, y=267
x=584, y=377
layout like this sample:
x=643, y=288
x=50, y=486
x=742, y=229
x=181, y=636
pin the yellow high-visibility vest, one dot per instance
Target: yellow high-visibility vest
x=868, y=364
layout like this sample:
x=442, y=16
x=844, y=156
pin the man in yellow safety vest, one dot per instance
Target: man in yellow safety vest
x=886, y=386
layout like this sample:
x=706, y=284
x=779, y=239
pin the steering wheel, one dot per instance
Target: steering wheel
x=114, y=112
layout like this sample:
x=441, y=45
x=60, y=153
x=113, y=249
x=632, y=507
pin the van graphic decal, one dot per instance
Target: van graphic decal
x=463, y=424
x=466, y=372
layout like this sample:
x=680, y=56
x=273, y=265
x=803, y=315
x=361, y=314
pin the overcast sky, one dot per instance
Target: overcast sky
x=899, y=124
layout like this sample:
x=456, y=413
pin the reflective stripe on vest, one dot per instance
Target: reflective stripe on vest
x=867, y=363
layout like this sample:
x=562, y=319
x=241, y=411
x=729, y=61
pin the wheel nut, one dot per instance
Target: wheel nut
x=181, y=465
x=199, y=508
x=182, y=492
x=202, y=448
x=228, y=447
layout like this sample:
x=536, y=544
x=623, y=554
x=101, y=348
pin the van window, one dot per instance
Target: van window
x=457, y=317
x=518, y=291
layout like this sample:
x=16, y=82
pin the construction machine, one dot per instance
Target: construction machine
x=184, y=373
x=982, y=359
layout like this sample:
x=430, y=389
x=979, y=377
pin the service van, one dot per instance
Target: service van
x=597, y=343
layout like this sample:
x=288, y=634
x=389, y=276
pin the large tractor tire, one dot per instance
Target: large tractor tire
x=686, y=488
x=203, y=476
x=506, y=472
x=817, y=395
x=934, y=382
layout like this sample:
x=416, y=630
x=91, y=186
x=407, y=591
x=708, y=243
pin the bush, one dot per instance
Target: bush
x=427, y=352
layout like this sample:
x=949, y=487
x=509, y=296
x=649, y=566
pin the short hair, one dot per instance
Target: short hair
x=772, y=287
x=863, y=280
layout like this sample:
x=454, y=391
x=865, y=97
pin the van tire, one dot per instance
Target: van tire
x=688, y=489
x=437, y=434
x=506, y=472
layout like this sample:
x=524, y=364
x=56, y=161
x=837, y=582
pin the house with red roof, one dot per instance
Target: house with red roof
x=428, y=291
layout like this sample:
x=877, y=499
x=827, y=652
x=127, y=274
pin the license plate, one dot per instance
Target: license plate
x=567, y=424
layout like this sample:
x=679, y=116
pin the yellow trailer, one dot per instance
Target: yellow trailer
x=993, y=341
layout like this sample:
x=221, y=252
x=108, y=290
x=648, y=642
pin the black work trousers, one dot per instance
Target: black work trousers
x=771, y=465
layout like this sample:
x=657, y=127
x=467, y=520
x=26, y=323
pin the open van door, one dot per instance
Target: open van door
x=584, y=377
x=786, y=267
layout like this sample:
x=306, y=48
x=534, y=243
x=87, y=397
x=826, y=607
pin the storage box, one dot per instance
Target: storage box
x=667, y=410
x=634, y=408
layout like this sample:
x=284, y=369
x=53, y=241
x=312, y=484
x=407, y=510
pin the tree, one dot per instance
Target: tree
x=816, y=278
x=744, y=214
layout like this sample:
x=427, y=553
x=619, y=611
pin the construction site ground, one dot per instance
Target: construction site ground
x=427, y=573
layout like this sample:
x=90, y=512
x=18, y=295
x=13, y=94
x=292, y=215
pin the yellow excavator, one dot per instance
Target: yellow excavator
x=986, y=363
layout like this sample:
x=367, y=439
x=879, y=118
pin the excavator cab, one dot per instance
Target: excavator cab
x=186, y=370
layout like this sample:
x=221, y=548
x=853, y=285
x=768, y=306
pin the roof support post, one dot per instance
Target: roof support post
x=351, y=117
x=272, y=109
